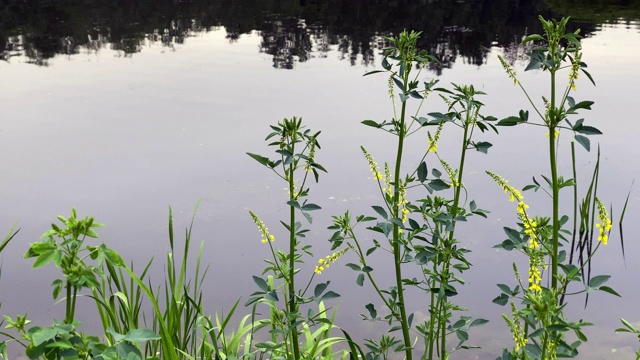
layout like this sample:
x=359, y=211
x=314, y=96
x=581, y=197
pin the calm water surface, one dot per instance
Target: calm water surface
x=123, y=137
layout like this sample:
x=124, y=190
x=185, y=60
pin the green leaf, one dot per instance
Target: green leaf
x=415, y=94
x=509, y=121
x=597, y=281
x=462, y=335
x=483, y=146
x=534, y=37
x=113, y=257
x=478, y=322
x=57, y=287
x=502, y=299
x=140, y=335
x=399, y=84
x=329, y=295
x=584, y=141
x=45, y=258
x=438, y=185
x=353, y=266
x=609, y=290
x=581, y=105
x=43, y=335
x=310, y=207
x=261, y=159
x=271, y=296
x=589, y=130
x=373, y=72
x=319, y=289
x=372, y=310
x=505, y=289
x=360, y=280
x=423, y=172
x=380, y=211
x=262, y=284
x=372, y=123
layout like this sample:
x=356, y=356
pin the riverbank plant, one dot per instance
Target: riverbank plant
x=419, y=211
x=561, y=247
x=81, y=266
x=295, y=164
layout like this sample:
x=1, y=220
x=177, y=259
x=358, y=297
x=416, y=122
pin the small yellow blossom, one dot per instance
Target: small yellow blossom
x=324, y=263
x=266, y=236
x=373, y=166
x=453, y=174
x=311, y=157
x=604, y=226
x=514, y=194
x=575, y=71
x=433, y=140
x=405, y=211
x=556, y=135
x=387, y=180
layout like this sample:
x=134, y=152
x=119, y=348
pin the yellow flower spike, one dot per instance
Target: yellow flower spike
x=534, y=278
x=311, y=157
x=373, y=166
x=509, y=70
x=262, y=228
x=433, y=141
x=325, y=262
x=604, y=227
x=514, y=194
x=405, y=211
x=575, y=71
x=453, y=174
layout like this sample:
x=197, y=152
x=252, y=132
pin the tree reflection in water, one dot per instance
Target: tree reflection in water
x=292, y=30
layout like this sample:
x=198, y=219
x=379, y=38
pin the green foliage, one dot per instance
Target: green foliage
x=418, y=225
x=64, y=246
x=538, y=324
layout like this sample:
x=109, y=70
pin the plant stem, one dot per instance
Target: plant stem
x=553, y=122
x=397, y=256
x=292, y=252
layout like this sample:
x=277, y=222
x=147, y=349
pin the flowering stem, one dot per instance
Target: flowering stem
x=553, y=121
x=292, y=254
x=397, y=256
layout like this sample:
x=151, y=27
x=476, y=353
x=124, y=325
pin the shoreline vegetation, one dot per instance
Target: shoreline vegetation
x=413, y=228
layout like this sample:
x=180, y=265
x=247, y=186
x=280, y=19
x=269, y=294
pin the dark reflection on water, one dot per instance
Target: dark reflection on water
x=291, y=30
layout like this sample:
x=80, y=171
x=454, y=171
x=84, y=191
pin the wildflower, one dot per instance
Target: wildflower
x=509, y=70
x=516, y=328
x=530, y=227
x=391, y=86
x=555, y=135
x=605, y=222
x=311, y=157
x=405, y=211
x=575, y=71
x=514, y=194
x=387, y=180
x=453, y=174
x=433, y=140
x=534, y=277
x=264, y=230
x=324, y=263
x=373, y=166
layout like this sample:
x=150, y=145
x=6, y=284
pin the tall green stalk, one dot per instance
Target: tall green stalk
x=293, y=306
x=397, y=255
x=555, y=196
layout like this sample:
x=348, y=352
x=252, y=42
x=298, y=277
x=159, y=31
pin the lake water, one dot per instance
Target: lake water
x=123, y=135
